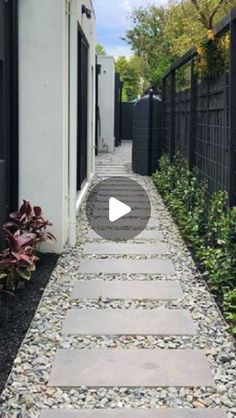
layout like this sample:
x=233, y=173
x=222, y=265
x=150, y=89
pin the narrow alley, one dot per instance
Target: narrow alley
x=125, y=329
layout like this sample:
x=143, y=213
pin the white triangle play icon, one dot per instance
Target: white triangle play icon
x=117, y=209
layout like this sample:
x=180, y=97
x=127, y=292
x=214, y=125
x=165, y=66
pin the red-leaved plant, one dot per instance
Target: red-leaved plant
x=30, y=219
x=18, y=261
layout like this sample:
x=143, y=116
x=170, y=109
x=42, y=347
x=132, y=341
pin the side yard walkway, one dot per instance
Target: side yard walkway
x=125, y=330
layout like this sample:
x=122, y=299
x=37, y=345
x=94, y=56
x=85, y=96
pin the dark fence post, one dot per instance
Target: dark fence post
x=150, y=144
x=121, y=96
x=193, y=117
x=232, y=114
x=172, y=113
x=163, y=116
x=2, y=198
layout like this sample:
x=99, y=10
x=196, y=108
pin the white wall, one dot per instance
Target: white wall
x=89, y=30
x=48, y=118
x=106, y=102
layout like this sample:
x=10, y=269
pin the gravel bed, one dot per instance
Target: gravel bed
x=17, y=312
x=27, y=393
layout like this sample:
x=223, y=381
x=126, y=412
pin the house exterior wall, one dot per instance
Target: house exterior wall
x=48, y=108
x=106, y=102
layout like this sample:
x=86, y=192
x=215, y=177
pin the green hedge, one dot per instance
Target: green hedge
x=207, y=225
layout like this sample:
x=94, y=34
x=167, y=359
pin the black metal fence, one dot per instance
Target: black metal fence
x=200, y=121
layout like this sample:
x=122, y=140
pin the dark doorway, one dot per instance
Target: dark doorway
x=8, y=108
x=82, y=152
x=127, y=109
x=97, y=126
x=117, y=109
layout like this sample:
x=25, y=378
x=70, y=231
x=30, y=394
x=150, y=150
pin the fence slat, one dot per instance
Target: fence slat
x=193, y=117
x=172, y=114
x=232, y=108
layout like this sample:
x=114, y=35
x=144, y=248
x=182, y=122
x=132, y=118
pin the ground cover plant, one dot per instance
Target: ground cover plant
x=207, y=224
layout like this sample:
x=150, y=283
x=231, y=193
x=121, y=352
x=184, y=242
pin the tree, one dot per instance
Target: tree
x=147, y=39
x=129, y=70
x=210, y=10
x=160, y=35
x=100, y=50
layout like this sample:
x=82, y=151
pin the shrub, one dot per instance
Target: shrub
x=18, y=261
x=230, y=308
x=207, y=224
x=26, y=229
x=30, y=219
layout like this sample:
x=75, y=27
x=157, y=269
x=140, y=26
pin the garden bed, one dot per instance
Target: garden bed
x=16, y=314
x=208, y=226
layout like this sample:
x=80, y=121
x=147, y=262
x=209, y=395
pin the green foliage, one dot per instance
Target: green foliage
x=129, y=71
x=230, y=308
x=213, y=56
x=160, y=35
x=148, y=41
x=100, y=50
x=25, y=230
x=207, y=224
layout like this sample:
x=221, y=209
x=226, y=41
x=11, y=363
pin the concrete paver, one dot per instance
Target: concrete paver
x=130, y=368
x=139, y=249
x=128, y=289
x=111, y=266
x=160, y=322
x=136, y=413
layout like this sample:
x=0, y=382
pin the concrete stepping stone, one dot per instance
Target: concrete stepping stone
x=118, y=187
x=135, y=205
x=127, y=249
x=120, y=266
x=153, y=235
x=124, y=193
x=135, y=413
x=159, y=322
x=103, y=212
x=130, y=368
x=127, y=289
x=128, y=223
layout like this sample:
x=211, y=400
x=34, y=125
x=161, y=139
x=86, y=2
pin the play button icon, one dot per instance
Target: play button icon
x=118, y=208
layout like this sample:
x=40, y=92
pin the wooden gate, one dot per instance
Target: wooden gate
x=8, y=108
x=82, y=152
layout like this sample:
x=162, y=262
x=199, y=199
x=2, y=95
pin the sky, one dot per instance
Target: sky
x=112, y=18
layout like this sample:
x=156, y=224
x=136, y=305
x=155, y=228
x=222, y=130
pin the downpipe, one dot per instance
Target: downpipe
x=71, y=142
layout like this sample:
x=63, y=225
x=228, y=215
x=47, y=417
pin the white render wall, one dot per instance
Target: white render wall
x=48, y=119
x=106, y=102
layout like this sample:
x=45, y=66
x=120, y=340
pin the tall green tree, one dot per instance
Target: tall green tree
x=100, y=50
x=160, y=35
x=148, y=41
x=209, y=11
x=130, y=73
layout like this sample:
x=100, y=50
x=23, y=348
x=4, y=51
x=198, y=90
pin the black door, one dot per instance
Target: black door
x=117, y=110
x=8, y=108
x=127, y=109
x=97, y=125
x=82, y=139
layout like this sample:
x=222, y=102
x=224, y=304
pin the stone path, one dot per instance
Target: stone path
x=137, y=413
x=125, y=330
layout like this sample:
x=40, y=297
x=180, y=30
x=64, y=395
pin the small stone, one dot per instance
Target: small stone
x=50, y=392
x=27, y=400
x=198, y=404
x=221, y=389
